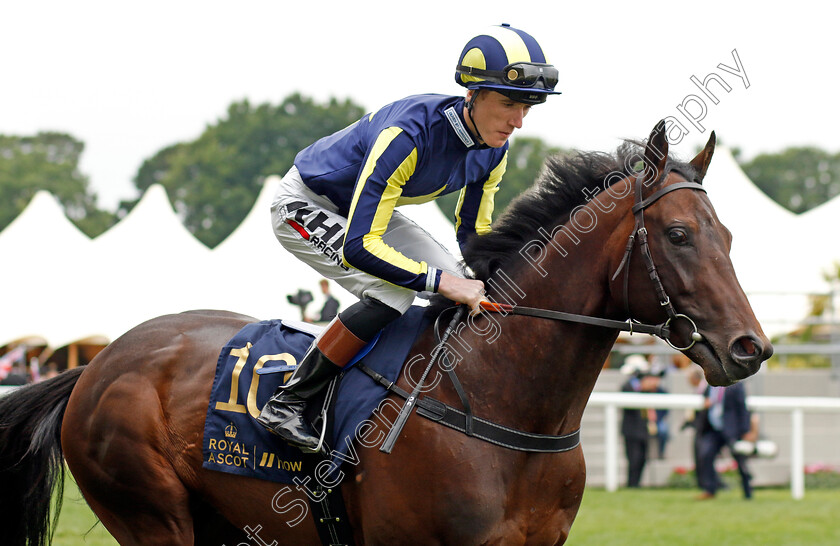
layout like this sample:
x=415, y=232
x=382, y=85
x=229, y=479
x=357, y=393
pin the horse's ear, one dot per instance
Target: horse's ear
x=701, y=162
x=656, y=153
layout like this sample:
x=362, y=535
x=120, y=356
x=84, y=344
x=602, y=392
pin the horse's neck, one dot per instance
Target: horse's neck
x=538, y=373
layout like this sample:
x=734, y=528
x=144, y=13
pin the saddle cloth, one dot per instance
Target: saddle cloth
x=262, y=356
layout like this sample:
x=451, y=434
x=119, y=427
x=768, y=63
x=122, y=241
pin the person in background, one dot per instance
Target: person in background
x=330, y=309
x=301, y=299
x=17, y=376
x=663, y=431
x=696, y=419
x=727, y=421
x=50, y=371
x=638, y=426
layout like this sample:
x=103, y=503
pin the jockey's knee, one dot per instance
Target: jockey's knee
x=367, y=317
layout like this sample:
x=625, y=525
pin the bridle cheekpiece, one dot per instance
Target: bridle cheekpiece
x=640, y=232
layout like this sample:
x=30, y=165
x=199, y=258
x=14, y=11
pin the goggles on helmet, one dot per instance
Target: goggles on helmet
x=525, y=75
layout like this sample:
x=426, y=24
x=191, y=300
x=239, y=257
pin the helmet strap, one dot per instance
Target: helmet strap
x=470, y=104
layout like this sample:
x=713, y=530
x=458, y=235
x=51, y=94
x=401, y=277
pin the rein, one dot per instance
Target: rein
x=659, y=330
x=662, y=330
x=472, y=426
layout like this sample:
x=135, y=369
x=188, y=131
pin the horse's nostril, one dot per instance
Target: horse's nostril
x=746, y=347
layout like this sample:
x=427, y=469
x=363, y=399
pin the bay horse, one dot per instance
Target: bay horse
x=129, y=425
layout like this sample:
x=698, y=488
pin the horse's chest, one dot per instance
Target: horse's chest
x=533, y=502
x=465, y=492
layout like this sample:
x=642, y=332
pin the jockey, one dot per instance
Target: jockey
x=335, y=208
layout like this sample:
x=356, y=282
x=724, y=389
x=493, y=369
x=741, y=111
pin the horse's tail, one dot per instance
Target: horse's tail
x=31, y=461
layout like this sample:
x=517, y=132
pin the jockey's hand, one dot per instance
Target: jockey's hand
x=467, y=291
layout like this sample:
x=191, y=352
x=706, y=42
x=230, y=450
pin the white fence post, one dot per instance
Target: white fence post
x=797, y=454
x=795, y=405
x=611, y=447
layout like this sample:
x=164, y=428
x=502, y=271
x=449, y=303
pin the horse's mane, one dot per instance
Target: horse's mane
x=566, y=181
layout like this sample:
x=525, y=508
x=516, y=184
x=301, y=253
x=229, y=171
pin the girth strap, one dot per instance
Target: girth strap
x=483, y=429
x=330, y=515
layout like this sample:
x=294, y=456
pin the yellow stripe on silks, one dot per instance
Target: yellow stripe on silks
x=382, y=142
x=420, y=198
x=485, y=210
x=458, y=206
x=370, y=117
x=372, y=241
x=514, y=46
x=484, y=215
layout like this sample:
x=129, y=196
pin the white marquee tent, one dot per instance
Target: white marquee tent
x=69, y=288
x=253, y=274
x=144, y=266
x=776, y=263
x=147, y=265
x=42, y=252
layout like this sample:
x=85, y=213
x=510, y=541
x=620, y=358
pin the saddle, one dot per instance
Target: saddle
x=261, y=357
x=258, y=359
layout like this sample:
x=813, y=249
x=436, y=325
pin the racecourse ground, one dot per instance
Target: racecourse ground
x=665, y=517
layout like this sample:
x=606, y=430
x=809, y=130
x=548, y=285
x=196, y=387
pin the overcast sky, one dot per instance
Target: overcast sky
x=130, y=79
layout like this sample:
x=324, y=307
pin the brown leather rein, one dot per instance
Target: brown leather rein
x=639, y=233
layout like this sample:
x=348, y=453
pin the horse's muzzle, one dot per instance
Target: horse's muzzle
x=748, y=352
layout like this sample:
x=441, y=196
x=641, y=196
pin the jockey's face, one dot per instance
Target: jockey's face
x=495, y=116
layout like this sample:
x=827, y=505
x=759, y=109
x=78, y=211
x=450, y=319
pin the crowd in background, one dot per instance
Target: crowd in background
x=723, y=422
x=14, y=370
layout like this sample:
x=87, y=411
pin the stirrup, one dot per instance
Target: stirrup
x=331, y=389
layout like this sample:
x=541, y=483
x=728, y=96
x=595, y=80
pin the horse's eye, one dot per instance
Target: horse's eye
x=677, y=236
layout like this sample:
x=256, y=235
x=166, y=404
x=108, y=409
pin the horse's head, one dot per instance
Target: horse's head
x=689, y=251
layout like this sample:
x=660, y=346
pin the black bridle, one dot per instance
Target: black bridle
x=465, y=422
x=639, y=233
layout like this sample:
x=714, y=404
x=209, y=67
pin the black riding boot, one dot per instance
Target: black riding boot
x=283, y=414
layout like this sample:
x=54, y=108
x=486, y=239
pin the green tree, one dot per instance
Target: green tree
x=525, y=159
x=796, y=178
x=214, y=181
x=48, y=161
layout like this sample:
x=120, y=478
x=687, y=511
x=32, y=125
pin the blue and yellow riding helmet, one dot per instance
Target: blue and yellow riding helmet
x=510, y=61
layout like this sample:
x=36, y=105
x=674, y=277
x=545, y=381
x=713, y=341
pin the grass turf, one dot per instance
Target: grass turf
x=674, y=516
x=651, y=517
x=77, y=525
